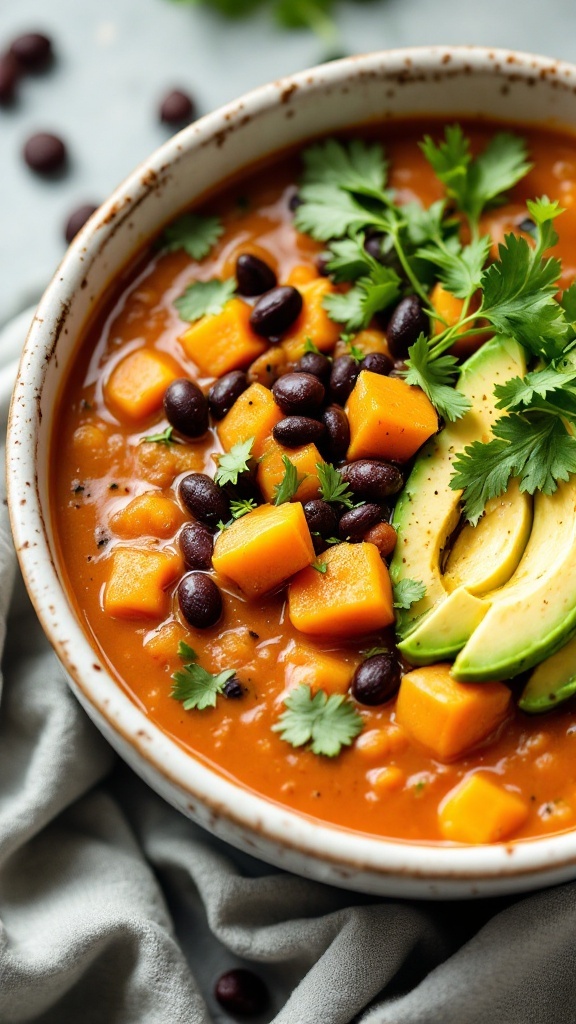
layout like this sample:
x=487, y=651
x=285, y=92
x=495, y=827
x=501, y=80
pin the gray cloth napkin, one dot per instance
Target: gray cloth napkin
x=115, y=909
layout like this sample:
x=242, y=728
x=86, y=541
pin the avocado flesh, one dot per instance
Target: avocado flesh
x=552, y=681
x=428, y=510
x=445, y=629
x=532, y=615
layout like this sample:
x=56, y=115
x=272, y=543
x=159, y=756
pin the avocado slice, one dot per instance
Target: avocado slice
x=552, y=681
x=428, y=512
x=534, y=614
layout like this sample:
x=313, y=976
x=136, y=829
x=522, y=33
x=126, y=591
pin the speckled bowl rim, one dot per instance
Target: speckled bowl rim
x=226, y=808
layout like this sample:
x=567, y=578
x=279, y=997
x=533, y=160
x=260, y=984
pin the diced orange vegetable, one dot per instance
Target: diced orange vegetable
x=223, y=342
x=151, y=514
x=252, y=415
x=320, y=670
x=271, y=469
x=353, y=596
x=301, y=274
x=366, y=341
x=448, y=306
x=313, y=322
x=446, y=717
x=163, y=644
x=479, y=810
x=137, y=581
x=388, y=418
x=136, y=386
x=268, y=367
x=264, y=548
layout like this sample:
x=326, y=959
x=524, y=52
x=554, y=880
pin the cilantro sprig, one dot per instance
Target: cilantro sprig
x=232, y=464
x=197, y=688
x=205, y=298
x=407, y=592
x=193, y=233
x=286, y=489
x=333, y=488
x=324, y=723
x=165, y=437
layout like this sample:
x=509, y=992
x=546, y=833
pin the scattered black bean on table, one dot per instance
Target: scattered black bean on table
x=298, y=394
x=200, y=600
x=177, y=108
x=378, y=362
x=204, y=499
x=225, y=391
x=33, y=51
x=77, y=220
x=9, y=76
x=253, y=275
x=343, y=377
x=407, y=322
x=45, y=153
x=337, y=438
x=241, y=992
x=316, y=363
x=186, y=408
x=354, y=523
x=372, y=479
x=376, y=680
x=294, y=431
x=276, y=311
x=196, y=544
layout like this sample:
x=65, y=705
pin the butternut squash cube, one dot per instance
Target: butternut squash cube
x=448, y=307
x=151, y=514
x=479, y=810
x=253, y=414
x=162, y=645
x=313, y=321
x=137, y=581
x=224, y=341
x=271, y=470
x=302, y=273
x=136, y=386
x=353, y=596
x=320, y=670
x=264, y=548
x=446, y=717
x=389, y=419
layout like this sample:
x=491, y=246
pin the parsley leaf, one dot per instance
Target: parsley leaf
x=194, y=233
x=286, y=489
x=231, y=464
x=333, y=488
x=326, y=723
x=165, y=437
x=407, y=592
x=436, y=376
x=205, y=298
x=193, y=685
x=242, y=507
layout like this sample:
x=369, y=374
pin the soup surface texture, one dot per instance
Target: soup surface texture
x=306, y=603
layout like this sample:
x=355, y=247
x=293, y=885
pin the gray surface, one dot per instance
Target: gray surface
x=115, y=57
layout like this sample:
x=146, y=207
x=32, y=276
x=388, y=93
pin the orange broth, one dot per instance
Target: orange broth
x=95, y=474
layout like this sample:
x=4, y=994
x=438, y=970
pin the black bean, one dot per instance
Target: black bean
x=33, y=51
x=527, y=225
x=232, y=688
x=294, y=431
x=337, y=436
x=294, y=202
x=253, y=275
x=45, y=153
x=378, y=362
x=354, y=523
x=322, y=262
x=9, y=75
x=322, y=522
x=371, y=479
x=276, y=311
x=177, y=108
x=225, y=391
x=204, y=499
x=298, y=394
x=200, y=600
x=345, y=370
x=316, y=363
x=373, y=245
x=77, y=220
x=241, y=992
x=186, y=408
x=197, y=545
x=376, y=680
x=407, y=321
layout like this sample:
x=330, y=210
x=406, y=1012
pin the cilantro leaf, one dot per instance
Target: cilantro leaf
x=286, y=489
x=205, y=298
x=165, y=437
x=321, y=567
x=460, y=267
x=357, y=166
x=333, y=488
x=373, y=651
x=242, y=507
x=194, y=233
x=536, y=448
x=369, y=295
x=523, y=391
x=326, y=723
x=327, y=211
x=231, y=464
x=436, y=376
x=193, y=685
x=309, y=346
x=407, y=592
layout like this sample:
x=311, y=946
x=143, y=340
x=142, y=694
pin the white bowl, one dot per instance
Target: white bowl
x=452, y=82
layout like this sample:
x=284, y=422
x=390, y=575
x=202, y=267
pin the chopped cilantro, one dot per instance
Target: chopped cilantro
x=286, y=489
x=324, y=723
x=165, y=437
x=233, y=463
x=333, y=488
x=242, y=507
x=193, y=685
x=321, y=567
x=194, y=233
x=205, y=298
x=407, y=592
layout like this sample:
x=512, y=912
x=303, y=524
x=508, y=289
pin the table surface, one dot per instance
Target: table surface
x=115, y=58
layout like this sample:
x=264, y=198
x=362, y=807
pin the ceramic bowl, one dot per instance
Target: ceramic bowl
x=452, y=82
